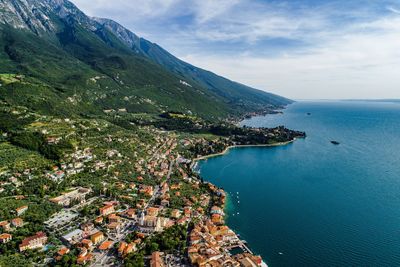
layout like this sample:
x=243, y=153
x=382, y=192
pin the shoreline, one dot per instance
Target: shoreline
x=226, y=150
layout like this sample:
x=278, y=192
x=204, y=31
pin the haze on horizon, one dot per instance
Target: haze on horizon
x=301, y=49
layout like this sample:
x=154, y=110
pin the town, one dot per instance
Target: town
x=114, y=196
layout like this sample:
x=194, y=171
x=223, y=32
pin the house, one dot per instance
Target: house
x=130, y=213
x=99, y=220
x=114, y=226
x=121, y=248
x=152, y=211
x=5, y=238
x=132, y=186
x=130, y=248
x=165, y=203
x=148, y=221
x=76, y=195
x=33, y=242
x=17, y=222
x=73, y=237
x=217, y=219
x=217, y=210
x=5, y=225
x=187, y=211
x=106, y=245
x=147, y=190
x=86, y=243
x=106, y=210
x=163, y=223
x=176, y=213
x=156, y=260
x=97, y=238
x=113, y=218
x=87, y=227
x=83, y=260
x=21, y=210
x=62, y=251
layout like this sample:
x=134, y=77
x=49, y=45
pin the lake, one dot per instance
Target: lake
x=313, y=203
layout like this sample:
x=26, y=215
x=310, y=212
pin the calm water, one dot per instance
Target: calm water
x=312, y=203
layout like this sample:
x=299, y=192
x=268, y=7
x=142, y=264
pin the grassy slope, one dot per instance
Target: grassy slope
x=58, y=76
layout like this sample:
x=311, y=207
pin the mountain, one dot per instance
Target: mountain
x=232, y=92
x=57, y=60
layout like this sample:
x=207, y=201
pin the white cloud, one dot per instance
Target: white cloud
x=393, y=9
x=359, y=64
x=345, y=52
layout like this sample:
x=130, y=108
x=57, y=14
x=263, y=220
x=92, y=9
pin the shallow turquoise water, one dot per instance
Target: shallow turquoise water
x=312, y=203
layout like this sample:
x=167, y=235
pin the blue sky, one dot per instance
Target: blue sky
x=302, y=49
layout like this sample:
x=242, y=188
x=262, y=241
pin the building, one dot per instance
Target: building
x=77, y=195
x=73, y=237
x=156, y=260
x=176, y=214
x=97, y=238
x=165, y=203
x=5, y=225
x=121, y=248
x=114, y=227
x=84, y=259
x=17, y=222
x=131, y=213
x=106, y=210
x=5, y=238
x=87, y=227
x=113, y=218
x=33, y=242
x=163, y=223
x=99, y=220
x=106, y=245
x=148, y=221
x=21, y=210
x=63, y=251
x=152, y=211
x=86, y=243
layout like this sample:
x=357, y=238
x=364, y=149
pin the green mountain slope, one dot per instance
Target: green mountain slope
x=66, y=63
x=238, y=95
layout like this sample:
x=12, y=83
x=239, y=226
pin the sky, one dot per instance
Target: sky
x=301, y=49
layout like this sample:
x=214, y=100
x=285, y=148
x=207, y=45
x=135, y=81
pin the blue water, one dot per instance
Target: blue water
x=312, y=203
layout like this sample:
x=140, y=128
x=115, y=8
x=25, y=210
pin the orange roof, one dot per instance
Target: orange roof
x=17, y=221
x=62, y=251
x=5, y=236
x=122, y=247
x=106, y=245
x=113, y=225
x=99, y=219
x=21, y=208
x=98, y=234
x=84, y=259
x=87, y=242
x=106, y=208
x=4, y=223
x=27, y=240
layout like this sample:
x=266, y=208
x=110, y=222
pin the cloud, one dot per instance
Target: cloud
x=300, y=49
x=393, y=9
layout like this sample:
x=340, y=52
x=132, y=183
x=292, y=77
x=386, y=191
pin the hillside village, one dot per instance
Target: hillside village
x=114, y=195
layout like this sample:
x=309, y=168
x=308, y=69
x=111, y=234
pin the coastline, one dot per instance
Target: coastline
x=226, y=150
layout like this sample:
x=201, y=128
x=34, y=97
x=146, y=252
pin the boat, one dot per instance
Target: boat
x=335, y=142
x=308, y=113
